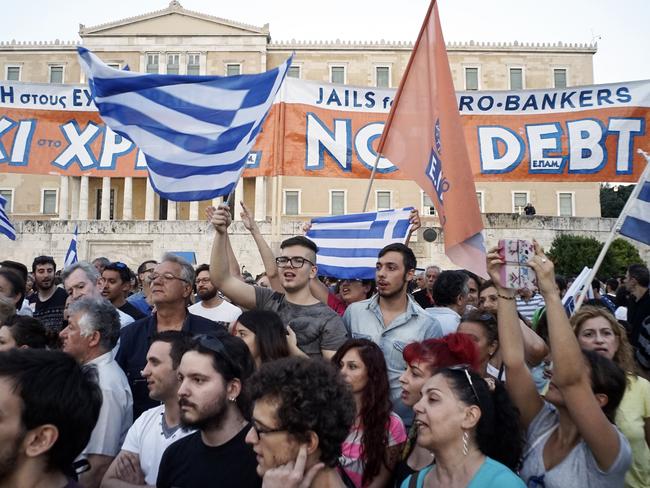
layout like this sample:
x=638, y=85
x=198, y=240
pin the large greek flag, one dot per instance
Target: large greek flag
x=6, y=227
x=195, y=131
x=348, y=245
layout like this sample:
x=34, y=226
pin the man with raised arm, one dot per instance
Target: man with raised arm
x=319, y=330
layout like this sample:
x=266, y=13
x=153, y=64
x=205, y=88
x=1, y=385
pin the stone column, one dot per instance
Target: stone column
x=127, y=211
x=171, y=210
x=150, y=202
x=260, y=198
x=75, y=188
x=83, y=198
x=63, y=198
x=239, y=197
x=194, y=210
x=105, y=213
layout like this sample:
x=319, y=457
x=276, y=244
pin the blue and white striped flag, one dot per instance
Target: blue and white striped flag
x=348, y=245
x=571, y=295
x=195, y=131
x=636, y=224
x=71, y=256
x=6, y=227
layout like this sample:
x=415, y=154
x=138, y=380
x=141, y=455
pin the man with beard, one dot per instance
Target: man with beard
x=392, y=318
x=211, y=306
x=213, y=400
x=319, y=330
x=157, y=428
x=49, y=301
x=49, y=406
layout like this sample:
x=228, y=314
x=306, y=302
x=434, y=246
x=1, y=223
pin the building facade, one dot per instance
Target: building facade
x=179, y=41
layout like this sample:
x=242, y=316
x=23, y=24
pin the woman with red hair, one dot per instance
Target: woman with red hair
x=423, y=359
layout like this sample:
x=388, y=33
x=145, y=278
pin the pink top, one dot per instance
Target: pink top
x=336, y=304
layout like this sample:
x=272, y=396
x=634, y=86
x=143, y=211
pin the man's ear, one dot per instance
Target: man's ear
x=40, y=440
x=94, y=339
x=313, y=442
x=233, y=389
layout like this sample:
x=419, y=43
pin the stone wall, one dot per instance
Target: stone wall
x=135, y=241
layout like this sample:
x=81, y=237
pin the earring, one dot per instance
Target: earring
x=231, y=399
x=465, y=443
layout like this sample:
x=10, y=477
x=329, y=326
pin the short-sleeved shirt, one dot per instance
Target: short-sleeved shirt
x=630, y=418
x=148, y=438
x=50, y=312
x=579, y=468
x=135, y=340
x=116, y=414
x=448, y=319
x=189, y=463
x=364, y=321
x=352, y=448
x=224, y=312
x=317, y=326
x=491, y=474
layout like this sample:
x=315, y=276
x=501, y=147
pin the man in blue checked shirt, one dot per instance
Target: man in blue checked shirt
x=392, y=318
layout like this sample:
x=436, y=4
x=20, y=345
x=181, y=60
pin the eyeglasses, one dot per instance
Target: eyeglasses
x=295, y=261
x=485, y=317
x=198, y=281
x=260, y=431
x=464, y=368
x=119, y=265
x=165, y=277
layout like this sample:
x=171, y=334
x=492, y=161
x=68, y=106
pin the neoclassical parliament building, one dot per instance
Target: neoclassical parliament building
x=180, y=41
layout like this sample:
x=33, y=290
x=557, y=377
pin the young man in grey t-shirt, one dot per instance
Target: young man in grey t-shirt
x=319, y=330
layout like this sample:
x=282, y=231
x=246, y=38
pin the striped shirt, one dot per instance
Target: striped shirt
x=527, y=308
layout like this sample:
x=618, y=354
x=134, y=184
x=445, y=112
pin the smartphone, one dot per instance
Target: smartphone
x=515, y=273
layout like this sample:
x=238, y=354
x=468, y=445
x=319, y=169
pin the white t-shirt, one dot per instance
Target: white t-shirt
x=226, y=312
x=147, y=439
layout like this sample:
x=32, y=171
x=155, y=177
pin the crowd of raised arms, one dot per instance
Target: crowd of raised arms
x=175, y=376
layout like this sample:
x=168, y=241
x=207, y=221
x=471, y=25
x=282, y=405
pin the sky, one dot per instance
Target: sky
x=620, y=27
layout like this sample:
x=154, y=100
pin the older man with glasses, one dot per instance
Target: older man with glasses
x=171, y=285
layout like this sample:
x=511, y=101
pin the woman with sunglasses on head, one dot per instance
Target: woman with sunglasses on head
x=372, y=447
x=422, y=361
x=471, y=427
x=598, y=330
x=570, y=438
x=482, y=328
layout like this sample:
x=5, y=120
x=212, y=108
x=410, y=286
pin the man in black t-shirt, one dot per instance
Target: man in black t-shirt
x=116, y=284
x=212, y=374
x=48, y=302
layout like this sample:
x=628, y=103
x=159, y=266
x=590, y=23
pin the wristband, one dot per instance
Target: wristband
x=505, y=297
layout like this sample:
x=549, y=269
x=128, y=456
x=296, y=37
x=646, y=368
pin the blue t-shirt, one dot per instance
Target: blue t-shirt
x=491, y=474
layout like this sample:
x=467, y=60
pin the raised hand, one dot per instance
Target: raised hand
x=544, y=269
x=414, y=220
x=219, y=217
x=247, y=219
x=494, y=263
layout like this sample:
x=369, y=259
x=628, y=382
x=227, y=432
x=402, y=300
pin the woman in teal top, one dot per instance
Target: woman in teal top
x=472, y=428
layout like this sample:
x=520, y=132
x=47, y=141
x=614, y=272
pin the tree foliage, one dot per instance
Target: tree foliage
x=613, y=198
x=571, y=253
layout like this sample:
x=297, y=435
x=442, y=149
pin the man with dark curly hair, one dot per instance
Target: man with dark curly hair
x=301, y=407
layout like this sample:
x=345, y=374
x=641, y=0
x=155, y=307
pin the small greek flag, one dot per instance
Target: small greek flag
x=71, y=256
x=195, y=131
x=348, y=245
x=637, y=219
x=570, y=297
x=6, y=227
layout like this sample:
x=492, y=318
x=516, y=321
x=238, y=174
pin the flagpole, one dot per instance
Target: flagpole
x=615, y=228
x=372, y=179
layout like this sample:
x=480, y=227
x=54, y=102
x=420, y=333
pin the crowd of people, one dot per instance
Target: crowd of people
x=172, y=376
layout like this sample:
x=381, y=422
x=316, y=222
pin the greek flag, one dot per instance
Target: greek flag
x=6, y=227
x=195, y=131
x=71, y=256
x=570, y=297
x=636, y=224
x=348, y=245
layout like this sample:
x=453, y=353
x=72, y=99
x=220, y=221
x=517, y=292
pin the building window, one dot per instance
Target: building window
x=479, y=198
x=337, y=202
x=13, y=73
x=337, y=74
x=427, y=205
x=98, y=206
x=383, y=200
x=516, y=79
x=292, y=202
x=519, y=201
x=471, y=78
x=193, y=64
x=565, y=205
x=559, y=78
x=152, y=63
x=49, y=201
x=382, y=77
x=8, y=194
x=233, y=69
x=173, y=63
x=56, y=74
x=294, y=72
